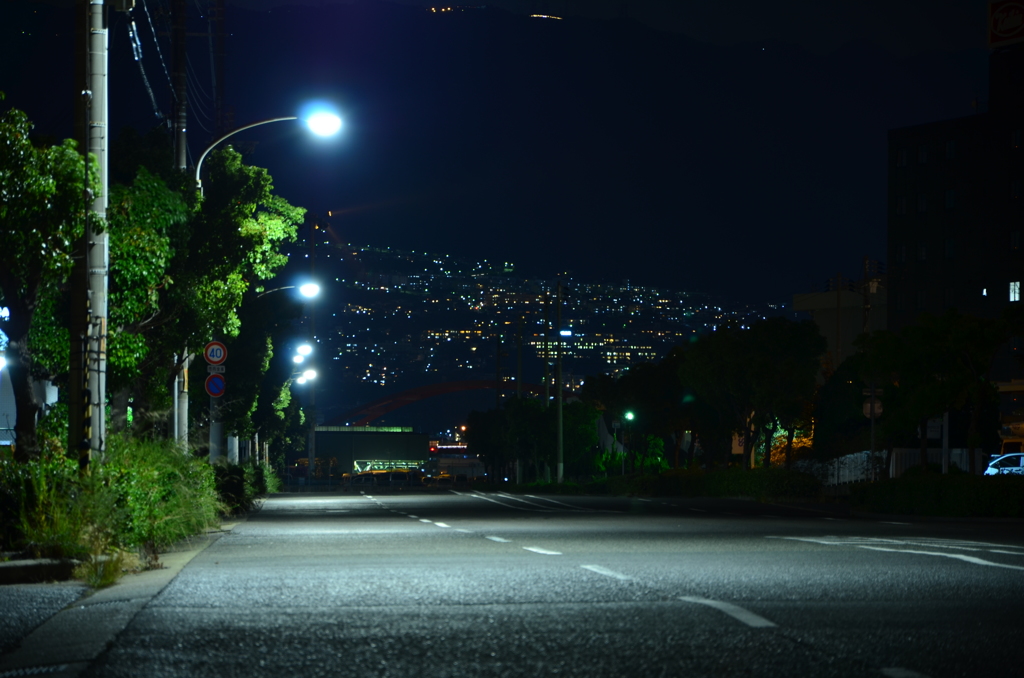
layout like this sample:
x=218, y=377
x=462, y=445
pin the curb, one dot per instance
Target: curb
x=66, y=644
x=36, y=571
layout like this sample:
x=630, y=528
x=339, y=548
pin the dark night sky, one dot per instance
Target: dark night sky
x=734, y=148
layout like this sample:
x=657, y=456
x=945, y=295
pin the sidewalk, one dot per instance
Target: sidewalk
x=58, y=629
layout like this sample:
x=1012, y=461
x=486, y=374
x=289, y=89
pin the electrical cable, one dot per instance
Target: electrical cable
x=133, y=35
x=156, y=42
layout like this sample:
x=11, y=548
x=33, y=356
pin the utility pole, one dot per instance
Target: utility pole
x=547, y=355
x=497, y=368
x=558, y=384
x=179, y=118
x=179, y=80
x=88, y=383
x=312, y=342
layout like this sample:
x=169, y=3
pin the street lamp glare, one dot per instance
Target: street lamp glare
x=300, y=380
x=629, y=416
x=3, y=362
x=324, y=124
x=309, y=374
x=305, y=349
x=309, y=290
x=297, y=359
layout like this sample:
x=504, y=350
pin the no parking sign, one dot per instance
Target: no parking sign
x=215, y=385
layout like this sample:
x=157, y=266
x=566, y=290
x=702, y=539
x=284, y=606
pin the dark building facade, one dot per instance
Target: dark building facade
x=956, y=210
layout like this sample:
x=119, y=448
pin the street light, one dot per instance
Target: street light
x=321, y=124
x=309, y=290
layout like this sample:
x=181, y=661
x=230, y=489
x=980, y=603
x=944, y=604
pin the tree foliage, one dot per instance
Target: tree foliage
x=42, y=208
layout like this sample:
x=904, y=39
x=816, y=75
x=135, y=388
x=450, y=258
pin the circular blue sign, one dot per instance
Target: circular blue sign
x=215, y=385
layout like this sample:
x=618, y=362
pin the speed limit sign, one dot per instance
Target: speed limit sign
x=215, y=353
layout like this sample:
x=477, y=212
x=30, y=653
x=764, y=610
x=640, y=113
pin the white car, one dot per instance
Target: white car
x=1007, y=463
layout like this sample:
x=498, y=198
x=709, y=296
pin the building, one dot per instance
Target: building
x=955, y=204
x=845, y=310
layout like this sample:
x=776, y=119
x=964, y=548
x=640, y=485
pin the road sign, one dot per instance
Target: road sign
x=215, y=385
x=216, y=369
x=867, y=408
x=215, y=353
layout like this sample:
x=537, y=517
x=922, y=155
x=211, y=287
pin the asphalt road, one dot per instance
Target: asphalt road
x=467, y=584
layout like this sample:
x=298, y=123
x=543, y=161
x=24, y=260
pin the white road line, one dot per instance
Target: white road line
x=457, y=492
x=893, y=522
x=897, y=672
x=424, y=520
x=499, y=540
x=442, y=525
x=606, y=572
x=570, y=506
x=477, y=495
x=543, y=552
x=827, y=518
x=528, y=503
x=734, y=611
x=412, y=516
x=1009, y=553
x=459, y=529
x=955, y=556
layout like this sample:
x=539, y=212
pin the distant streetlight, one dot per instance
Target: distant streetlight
x=321, y=123
x=304, y=349
x=309, y=374
x=297, y=359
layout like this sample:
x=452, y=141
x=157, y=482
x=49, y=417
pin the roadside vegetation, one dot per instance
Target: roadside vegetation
x=184, y=269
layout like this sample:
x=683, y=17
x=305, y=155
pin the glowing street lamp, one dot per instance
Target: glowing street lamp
x=321, y=123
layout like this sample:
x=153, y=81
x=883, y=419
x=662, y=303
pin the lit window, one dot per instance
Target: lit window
x=1015, y=290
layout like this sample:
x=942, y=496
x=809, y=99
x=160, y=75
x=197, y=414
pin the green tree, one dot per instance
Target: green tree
x=42, y=213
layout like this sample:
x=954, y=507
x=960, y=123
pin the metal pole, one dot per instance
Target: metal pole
x=558, y=386
x=180, y=82
x=312, y=342
x=98, y=252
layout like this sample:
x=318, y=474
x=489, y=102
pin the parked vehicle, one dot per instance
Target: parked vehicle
x=1005, y=464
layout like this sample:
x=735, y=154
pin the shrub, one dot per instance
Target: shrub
x=926, y=492
x=42, y=507
x=164, y=495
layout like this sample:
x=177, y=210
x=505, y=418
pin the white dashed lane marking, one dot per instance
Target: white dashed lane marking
x=499, y=540
x=608, y=573
x=543, y=552
x=897, y=672
x=442, y=524
x=734, y=611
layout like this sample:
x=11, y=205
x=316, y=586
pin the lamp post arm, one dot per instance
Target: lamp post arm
x=199, y=164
